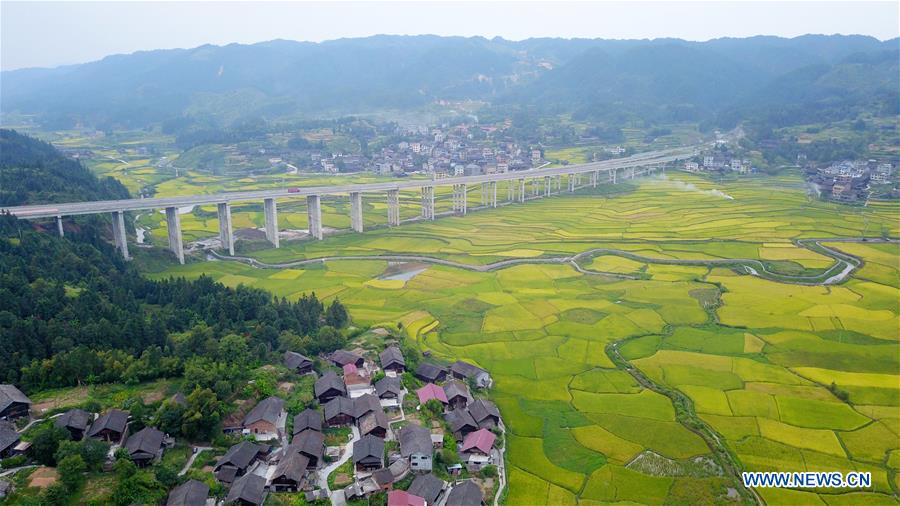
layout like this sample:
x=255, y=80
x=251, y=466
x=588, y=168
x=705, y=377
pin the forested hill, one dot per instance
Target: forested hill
x=34, y=172
x=605, y=80
x=72, y=311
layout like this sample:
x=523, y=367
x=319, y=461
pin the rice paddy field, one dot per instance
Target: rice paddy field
x=611, y=387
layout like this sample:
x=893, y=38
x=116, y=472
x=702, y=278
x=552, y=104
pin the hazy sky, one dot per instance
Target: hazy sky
x=43, y=34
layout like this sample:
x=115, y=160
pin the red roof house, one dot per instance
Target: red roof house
x=404, y=498
x=431, y=391
x=482, y=440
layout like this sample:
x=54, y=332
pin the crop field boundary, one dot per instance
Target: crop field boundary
x=844, y=263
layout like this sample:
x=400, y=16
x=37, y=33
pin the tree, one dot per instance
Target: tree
x=71, y=472
x=336, y=316
x=202, y=415
x=45, y=443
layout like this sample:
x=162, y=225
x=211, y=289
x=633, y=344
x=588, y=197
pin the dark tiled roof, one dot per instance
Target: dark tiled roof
x=226, y=474
x=415, y=439
x=310, y=443
x=146, y=440
x=10, y=394
x=427, y=486
x=293, y=360
x=392, y=355
x=482, y=409
x=368, y=446
x=459, y=418
x=114, y=420
x=388, y=384
x=240, y=455
x=8, y=438
x=74, y=419
x=189, y=493
x=308, y=419
x=457, y=388
x=383, y=477
x=430, y=371
x=268, y=409
x=466, y=369
x=292, y=465
x=466, y=493
x=338, y=406
x=329, y=381
x=343, y=357
x=365, y=403
x=373, y=420
x=250, y=488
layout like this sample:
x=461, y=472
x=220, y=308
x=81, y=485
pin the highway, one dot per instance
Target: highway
x=105, y=206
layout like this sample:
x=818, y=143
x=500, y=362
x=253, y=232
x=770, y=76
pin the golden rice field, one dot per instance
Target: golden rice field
x=764, y=363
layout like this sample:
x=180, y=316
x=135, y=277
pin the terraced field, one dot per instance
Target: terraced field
x=653, y=389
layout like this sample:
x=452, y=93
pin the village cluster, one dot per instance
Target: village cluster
x=394, y=435
x=851, y=181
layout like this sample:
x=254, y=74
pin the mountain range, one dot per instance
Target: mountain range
x=720, y=80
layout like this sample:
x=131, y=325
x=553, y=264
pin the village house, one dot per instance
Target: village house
x=248, y=490
x=328, y=387
x=368, y=454
x=392, y=360
x=431, y=373
x=308, y=419
x=466, y=371
x=356, y=382
x=485, y=414
x=374, y=423
x=310, y=444
x=476, y=449
x=238, y=460
x=189, y=493
x=341, y=358
x=13, y=403
x=457, y=394
x=388, y=390
x=76, y=421
x=415, y=445
x=339, y=411
x=432, y=392
x=266, y=420
x=9, y=438
x=145, y=446
x=298, y=363
x=466, y=493
x=290, y=473
x=110, y=426
x=428, y=487
x=404, y=498
x=460, y=422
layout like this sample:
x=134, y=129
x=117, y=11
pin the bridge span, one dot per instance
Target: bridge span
x=541, y=182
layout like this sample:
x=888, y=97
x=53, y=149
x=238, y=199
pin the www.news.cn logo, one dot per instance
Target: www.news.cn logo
x=833, y=479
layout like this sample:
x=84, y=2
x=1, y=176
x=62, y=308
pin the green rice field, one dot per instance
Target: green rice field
x=787, y=377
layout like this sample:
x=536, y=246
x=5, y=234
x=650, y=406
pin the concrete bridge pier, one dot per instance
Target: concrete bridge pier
x=314, y=212
x=522, y=190
x=118, y=223
x=510, y=190
x=572, y=183
x=59, y=226
x=356, y=218
x=226, y=234
x=492, y=193
x=612, y=175
x=393, y=201
x=595, y=178
x=548, y=185
x=631, y=172
x=460, y=193
x=428, y=202
x=271, y=212
x=173, y=223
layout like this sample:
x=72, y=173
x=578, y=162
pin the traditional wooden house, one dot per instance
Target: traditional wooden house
x=404, y=498
x=189, y=493
x=457, y=394
x=485, y=413
x=76, y=421
x=329, y=386
x=248, y=490
x=466, y=493
x=466, y=371
x=431, y=373
x=145, y=446
x=308, y=419
x=415, y=445
x=291, y=472
x=110, y=426
x=388, y=390
x=339, y=411
x=13, y=403
x=310, y=444
x=461, y=423
x=368, y=453
x=374, y=423
x=341, y=358
x=298, y=363
x=432, y=392
x=238, y=460
x=427, y=486
x=9, y=438
x=392, y=360
x=476, y=449
x=267, y=419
